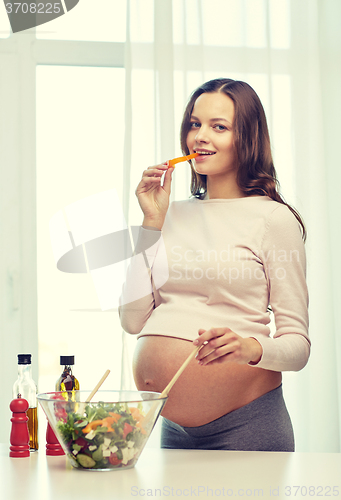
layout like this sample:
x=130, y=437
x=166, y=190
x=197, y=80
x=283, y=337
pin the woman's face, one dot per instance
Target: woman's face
x=211, y=135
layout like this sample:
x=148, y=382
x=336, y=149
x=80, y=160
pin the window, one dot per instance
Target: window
x=100, y=21
x=80, y=137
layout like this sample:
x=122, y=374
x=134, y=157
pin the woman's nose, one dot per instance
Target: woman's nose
x=202, y=135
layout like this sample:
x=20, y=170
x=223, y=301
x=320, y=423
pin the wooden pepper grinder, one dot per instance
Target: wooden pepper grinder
x=20, y=437
x=53, y=447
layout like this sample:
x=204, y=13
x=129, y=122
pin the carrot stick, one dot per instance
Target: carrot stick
x=171, y=163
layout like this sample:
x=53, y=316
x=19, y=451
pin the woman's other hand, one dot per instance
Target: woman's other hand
x=222, y=345
x=154, y=197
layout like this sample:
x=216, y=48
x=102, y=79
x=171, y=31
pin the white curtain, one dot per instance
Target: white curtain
x=289, y=51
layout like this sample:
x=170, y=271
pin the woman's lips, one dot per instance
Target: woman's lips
x=203, y=157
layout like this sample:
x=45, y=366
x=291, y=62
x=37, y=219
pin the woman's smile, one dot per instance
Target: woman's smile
x=205, y=154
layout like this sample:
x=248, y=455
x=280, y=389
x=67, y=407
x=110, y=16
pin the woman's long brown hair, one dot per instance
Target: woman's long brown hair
x=256, y=173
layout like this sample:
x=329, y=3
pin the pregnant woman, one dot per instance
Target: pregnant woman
x=220, y=262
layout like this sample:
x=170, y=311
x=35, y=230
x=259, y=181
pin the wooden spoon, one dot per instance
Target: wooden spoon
x=93, y=392
x=146, y=421
x=165, y=392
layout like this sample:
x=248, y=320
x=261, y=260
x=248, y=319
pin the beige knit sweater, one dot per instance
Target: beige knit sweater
x=221, y=263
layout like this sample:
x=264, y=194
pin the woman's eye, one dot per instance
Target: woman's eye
x=219, y=127
x=195, y=125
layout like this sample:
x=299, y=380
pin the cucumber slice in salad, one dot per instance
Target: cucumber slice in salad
x=86, y=461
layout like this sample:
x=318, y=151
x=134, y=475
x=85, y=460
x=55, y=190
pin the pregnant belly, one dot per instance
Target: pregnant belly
x=202, y=393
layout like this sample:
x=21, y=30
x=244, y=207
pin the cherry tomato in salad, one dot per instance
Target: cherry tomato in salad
x=61, y=414
x=58, y=396
x=126, y=429
x=114, y=460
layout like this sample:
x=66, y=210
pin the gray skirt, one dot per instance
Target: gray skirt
x=262, y=425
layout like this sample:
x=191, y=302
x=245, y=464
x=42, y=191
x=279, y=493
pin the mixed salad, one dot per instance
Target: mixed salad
x=105, y=436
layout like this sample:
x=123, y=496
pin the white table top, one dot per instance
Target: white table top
x=175, y=474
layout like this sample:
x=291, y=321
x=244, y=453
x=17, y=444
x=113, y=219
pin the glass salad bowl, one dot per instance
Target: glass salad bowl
x=106, y=434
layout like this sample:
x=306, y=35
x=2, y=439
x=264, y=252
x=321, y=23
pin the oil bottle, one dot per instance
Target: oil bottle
x=26, y=388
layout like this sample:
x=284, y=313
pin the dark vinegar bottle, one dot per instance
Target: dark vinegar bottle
x=67, y=381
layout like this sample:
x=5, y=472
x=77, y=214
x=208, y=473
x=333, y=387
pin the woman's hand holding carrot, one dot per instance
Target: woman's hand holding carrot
x=222, y=345
x=153, y=196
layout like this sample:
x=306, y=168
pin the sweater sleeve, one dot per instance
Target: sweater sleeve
x=283, y=256
x=146, y=273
